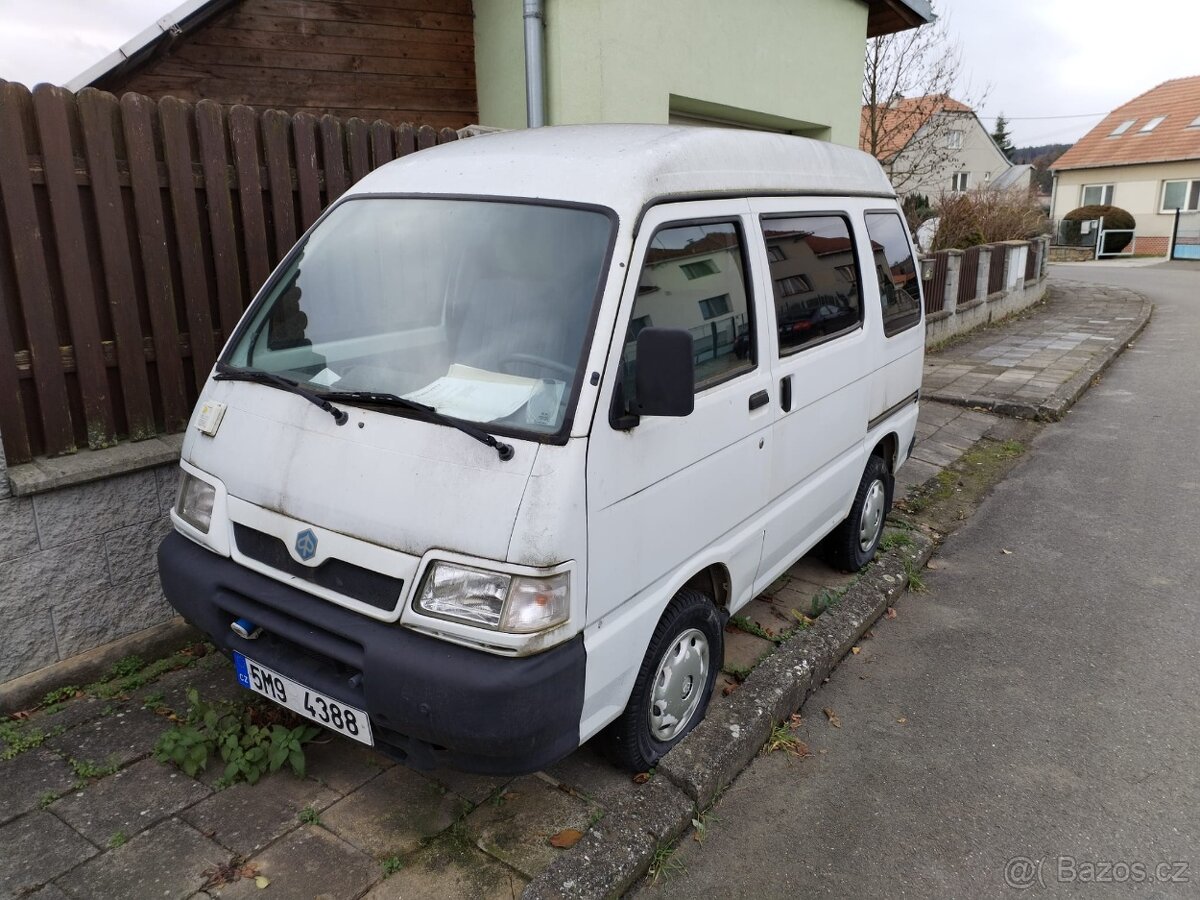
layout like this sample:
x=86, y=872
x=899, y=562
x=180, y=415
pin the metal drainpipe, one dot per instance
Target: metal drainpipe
x=535, y=90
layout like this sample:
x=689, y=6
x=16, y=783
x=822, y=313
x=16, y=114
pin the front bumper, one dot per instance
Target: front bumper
x=432, y=703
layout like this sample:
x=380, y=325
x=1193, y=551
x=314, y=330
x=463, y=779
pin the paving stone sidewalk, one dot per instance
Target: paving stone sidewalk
x=1035, y=365
x=86, y=812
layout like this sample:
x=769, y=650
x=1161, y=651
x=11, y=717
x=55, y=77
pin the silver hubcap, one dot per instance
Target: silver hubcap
x=678, y=685
x=872, y=516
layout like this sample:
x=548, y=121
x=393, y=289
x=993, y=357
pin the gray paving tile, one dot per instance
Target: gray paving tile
x=37, y=848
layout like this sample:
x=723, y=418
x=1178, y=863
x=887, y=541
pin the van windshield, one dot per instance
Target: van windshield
x=479, y=309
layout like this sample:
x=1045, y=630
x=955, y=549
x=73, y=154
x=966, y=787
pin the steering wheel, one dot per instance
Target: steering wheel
x=568, y=372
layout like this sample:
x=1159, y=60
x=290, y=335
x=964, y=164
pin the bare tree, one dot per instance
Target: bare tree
x=913, y=99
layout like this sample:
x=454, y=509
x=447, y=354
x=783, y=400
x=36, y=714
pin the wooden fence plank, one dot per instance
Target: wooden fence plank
x=32, y=276
x=173, y=117
x=358, y=144
x=75, y=263
x=210, y=134
x=406, y=140
x=14, y=428
x=446, y=135
x=308, y=175
x=279, y=176
x=426, y=137
x=333, y=153
x=243, y=133
x=137, y=114
x=381, y=144
x=97, y=114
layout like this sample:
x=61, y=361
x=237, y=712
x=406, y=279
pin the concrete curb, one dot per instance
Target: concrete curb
x=620, y=848
x=1054, y=408
x=150, y=643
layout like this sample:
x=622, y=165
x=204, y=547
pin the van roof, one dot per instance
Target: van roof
x=627, y=167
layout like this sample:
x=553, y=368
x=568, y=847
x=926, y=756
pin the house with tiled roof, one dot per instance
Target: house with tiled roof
x=936, y=145
x=1145, y=158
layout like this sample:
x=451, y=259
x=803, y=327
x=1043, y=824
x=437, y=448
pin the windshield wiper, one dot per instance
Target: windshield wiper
x=226, y=372
x=378, y=398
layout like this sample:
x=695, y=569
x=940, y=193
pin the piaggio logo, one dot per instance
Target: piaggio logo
x=306, y=544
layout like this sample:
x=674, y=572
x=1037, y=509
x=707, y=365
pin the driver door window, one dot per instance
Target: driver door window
x=694, y=278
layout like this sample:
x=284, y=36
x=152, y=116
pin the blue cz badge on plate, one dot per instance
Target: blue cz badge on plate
x=243, y=674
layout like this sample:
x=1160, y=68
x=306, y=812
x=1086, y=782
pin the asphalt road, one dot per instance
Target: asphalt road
x=1041, y=705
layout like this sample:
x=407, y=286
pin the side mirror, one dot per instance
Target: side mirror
x=666, y=373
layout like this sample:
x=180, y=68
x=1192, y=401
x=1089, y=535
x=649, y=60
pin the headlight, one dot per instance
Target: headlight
x=195, y=503
x=518, y=604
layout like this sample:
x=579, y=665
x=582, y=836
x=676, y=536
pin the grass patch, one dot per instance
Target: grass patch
x=664, y=864
x=896, y=539
x=89, y=771
x=310, y=816
x=916, y=582
x=117, y=840
x=60, y=695
x=741, y=673
x=751, y=627
x=17, y=739
x=391, y=865
x=782, y=738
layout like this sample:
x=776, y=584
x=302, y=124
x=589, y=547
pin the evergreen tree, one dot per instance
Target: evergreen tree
x=1002, y=138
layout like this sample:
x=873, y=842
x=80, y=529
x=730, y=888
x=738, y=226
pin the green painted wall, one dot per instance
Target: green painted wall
x=793, y=65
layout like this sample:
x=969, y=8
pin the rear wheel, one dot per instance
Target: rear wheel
x=674, y=683
x=853, y=543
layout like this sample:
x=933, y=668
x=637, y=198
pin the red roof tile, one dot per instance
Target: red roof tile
x=1174, y=138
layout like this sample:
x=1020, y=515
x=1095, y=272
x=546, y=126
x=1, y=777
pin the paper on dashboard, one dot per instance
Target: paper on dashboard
x=476, y=394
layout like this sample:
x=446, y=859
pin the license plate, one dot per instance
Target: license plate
x=322, y=709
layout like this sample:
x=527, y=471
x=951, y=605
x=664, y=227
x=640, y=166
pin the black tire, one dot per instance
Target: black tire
x=630, y=741
x=844, y=547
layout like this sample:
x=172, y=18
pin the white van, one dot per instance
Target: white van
x=524, y=418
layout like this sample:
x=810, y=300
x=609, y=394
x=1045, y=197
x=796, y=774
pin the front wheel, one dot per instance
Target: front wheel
x=853, y=543
x=674, y=683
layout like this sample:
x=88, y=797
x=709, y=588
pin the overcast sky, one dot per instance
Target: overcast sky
x=1035, y=58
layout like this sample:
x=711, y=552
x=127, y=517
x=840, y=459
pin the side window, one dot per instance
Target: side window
x=815, y=278
x=899, y=286
x=693, y=278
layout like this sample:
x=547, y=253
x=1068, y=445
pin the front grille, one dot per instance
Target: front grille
x=364, y=585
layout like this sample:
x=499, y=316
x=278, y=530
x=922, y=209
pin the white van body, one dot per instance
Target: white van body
x=307, y=516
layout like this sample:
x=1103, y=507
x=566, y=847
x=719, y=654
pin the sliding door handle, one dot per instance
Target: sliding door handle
x=785, y=393
x=759, y=398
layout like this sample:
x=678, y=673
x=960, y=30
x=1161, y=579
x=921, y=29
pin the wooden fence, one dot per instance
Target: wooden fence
x=133, y=233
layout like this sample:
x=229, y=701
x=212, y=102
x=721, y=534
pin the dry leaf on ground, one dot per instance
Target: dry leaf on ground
x=891, y=612
x=856, y=650
x=566, y=839
x=833, y=718
x=641, y=777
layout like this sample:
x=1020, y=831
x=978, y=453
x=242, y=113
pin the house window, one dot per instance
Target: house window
x=1151, y=125
x=775, y=253
x=792, y=285
x=954, y=139
x=699, y=269
x=1183, y=195
x=816, y=289
x=1097, y=195
x=1195, y=123
x=713, y=307
x=1122, y=128
x=959, y=181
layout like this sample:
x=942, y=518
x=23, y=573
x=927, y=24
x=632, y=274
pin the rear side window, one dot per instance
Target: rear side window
x=694, y=278
x=814, y=275
x=899, y=286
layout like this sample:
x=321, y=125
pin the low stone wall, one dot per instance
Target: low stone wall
x=78, y=567
x=1016, y=293
x=1072, y=254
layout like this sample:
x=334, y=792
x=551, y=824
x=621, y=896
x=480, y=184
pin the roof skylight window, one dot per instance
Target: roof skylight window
x=1123, y=127
x=1152, y=124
